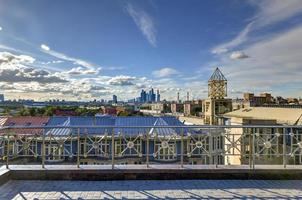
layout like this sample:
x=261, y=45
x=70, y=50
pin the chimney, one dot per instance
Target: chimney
x=188, y=96
x=178, y=97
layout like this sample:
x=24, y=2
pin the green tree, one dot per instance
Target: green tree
x=32, y=111
x=49, y=111
x=123, y=114
x=24, y=112
x=7, y=111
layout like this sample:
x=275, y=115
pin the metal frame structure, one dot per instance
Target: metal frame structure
x=216, y=145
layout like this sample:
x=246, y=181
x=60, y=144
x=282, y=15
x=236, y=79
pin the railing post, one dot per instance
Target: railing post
x=216, y=151
x=182, y=149
x=250, y=148
x=78, y=150
x=211, y=147
x=253, y=145
x=284, y=147
x=7, y=153
x=147, y=150
x=43, y=149
x=112, y=148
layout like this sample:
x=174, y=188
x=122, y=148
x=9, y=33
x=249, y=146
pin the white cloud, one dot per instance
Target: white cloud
x=275, y=65
x=83, y=71
x=62, y=56
x=240, y=38
x=45, y=47
x=113, y=68
x=144, y=22
x=238, y=55
x=17, y=68
x=11, y=61
x=122, y=80
x=274, y=11
x=165, y=72
x=268, y=13
x=52, y=62
x=0, y=28
x=20, y=78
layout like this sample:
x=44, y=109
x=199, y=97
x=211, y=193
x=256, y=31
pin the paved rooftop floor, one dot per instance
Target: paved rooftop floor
x=170, y=189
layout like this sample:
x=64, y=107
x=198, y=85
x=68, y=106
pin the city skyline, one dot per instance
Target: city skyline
x=103, y=48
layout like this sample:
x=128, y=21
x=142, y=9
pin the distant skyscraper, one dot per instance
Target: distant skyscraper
x=143, y=98
x=114, y=99
x=1, y=97
x=149, y=96
x=152, y=95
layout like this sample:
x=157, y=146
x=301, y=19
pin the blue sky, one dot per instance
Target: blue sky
x=87, y=50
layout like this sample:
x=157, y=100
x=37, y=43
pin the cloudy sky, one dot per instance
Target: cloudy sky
x=84, y=50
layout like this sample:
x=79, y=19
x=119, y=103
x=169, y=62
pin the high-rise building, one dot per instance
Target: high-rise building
x=148, y=96
x=1, y=97
x=114, y=98
x=157, y=96
x=152, y=95
x=143, y=97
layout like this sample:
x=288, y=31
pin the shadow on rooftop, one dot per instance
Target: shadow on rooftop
x=151, y=189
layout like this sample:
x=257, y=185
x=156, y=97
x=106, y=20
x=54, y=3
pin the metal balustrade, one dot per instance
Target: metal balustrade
x=145, y=145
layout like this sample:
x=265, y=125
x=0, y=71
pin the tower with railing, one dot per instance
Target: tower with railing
x=216, y=104
x=217, y=85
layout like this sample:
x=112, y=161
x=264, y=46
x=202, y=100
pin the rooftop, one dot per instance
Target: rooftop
x=91, y=122
x=287, y=116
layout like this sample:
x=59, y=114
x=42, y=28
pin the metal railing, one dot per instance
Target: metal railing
x=145, y=145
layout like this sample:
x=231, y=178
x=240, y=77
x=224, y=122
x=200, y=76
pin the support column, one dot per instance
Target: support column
x=112, y=148
x=7, y=153
x=182, y=149
x=253, y=144
x=210, y=147
x=147, y=149
x=284, y=147
x=43, y=149
x=250, y=148
x=78, y=150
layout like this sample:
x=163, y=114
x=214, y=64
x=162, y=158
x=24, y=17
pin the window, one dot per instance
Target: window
x=27, y=124
x=11, y=124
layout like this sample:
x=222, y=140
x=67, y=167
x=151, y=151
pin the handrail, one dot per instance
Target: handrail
x=156, y=126
x=217, y=146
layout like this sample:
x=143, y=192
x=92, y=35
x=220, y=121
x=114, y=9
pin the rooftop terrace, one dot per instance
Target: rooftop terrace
x=57, y=159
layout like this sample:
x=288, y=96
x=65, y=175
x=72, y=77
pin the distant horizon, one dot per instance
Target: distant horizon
x=81, y=51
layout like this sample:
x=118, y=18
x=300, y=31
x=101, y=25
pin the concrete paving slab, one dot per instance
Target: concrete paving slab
x=151, y=189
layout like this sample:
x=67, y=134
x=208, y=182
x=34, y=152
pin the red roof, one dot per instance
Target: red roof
x=26, y=121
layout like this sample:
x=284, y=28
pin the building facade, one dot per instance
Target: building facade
x=270, y=144
x=193, y=108
x=262, y=99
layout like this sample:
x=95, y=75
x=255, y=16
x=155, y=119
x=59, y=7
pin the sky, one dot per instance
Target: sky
x=86, y=50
